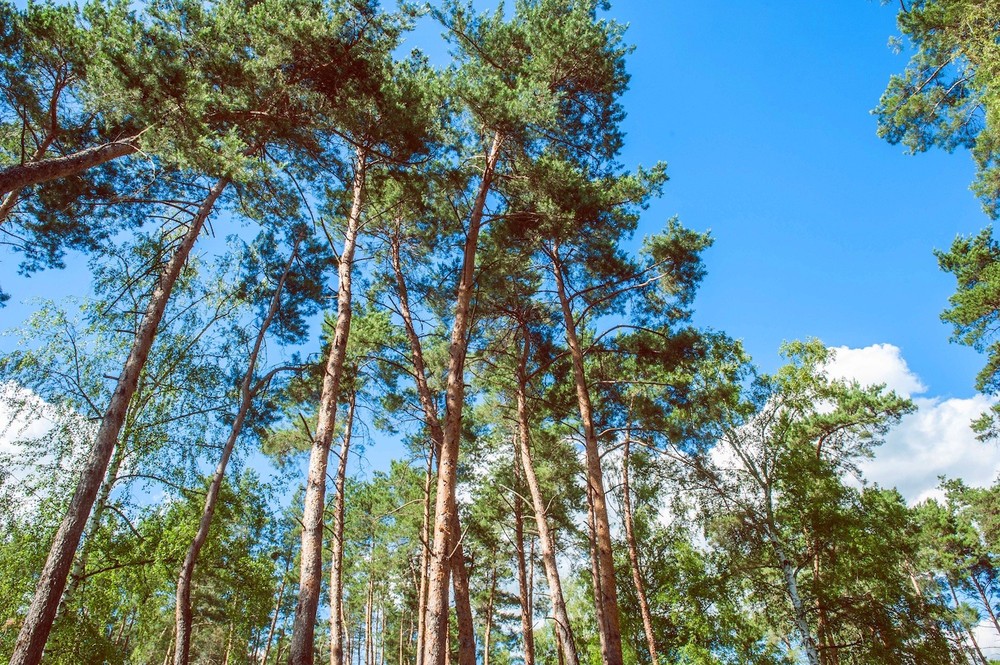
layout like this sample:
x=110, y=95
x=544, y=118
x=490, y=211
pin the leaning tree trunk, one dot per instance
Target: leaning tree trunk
x=38, y=622
x=986, y=601
x=248, y=392
x=633, y=555
x=14, y=178
x=337, y=545
x=546, y=538
x=10, y=200
x=311, y=571
x=606, y=584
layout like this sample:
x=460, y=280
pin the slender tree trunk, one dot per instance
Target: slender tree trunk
x=439, y=434
x=798, y=607
x=170, y=648
x=248, y=392
x=546, y=538
x=337, y=557
x=79, y=570
x=633, y=555
x=277, y=611
x=281, y=647
x=986, y=601
x=527, y=629
x=608, y=591
x=400, y=661
x=38, y=622
x=24, y=175
x=595, y=578
x=424, y=553
x=969, y=631
x=229, y=646
x=488, y=631
x=369, y=647
x=311, y=573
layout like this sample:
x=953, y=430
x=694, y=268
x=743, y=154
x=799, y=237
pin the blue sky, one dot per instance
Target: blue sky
x=761, y=110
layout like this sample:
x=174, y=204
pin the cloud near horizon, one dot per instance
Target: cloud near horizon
x=936, y=440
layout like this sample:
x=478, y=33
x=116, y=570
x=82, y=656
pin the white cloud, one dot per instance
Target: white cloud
x=878, y=363
x=936, y=440
x=22, y=415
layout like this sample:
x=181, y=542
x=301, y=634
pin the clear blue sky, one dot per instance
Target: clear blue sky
x=761, y=110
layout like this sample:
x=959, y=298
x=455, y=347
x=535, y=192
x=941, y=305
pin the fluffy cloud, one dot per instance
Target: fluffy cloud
x=878, y=363
x=934, y=441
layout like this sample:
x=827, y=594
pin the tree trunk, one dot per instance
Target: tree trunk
x=487, y=632
x=79, y=570
x=969, y=631
x=527, y=628
x=546, y=538
x=424, y=553
x=440, y=435
x=369, y=651
x=798, y=607
x=311, y=572
x=633, y=555
x=608, y=591
x=32, y=173
x=277, y=610
x=595, y=578
x=248, y=392
x=337, y=557
x=986, y=601
x=38, y=622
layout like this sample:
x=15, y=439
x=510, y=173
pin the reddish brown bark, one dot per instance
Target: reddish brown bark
x=564, y=632
x=337, y=556
x=38, y=622
x=524, y=594
x=24, y=175
x=311, y=571
x=459, y=574
x=633, y=555
x=607, y=599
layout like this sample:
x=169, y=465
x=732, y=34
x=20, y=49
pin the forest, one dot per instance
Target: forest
x=304, y=241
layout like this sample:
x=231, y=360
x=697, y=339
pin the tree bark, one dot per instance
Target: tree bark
x=608, y=592
x=248, y=393
x=633, y=555
x=311, y=572
x=798, y=607
x=463, y=605
x=546, y=538
x=487, y=632
x=969, y=631
x=38, y=622
x=527, y=628
x=24, y=175
x=986, y=602
x=337, y=563
x=277, y=610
